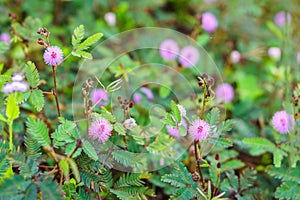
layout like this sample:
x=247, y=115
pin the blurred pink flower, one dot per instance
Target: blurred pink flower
x=199, y=130
x=99, y=96
x=5, y=37
x=210, y=1
x=147, y=92
x=224, y=92
x=169, y=49
x=137, y=98
x=274, y=52
x=280, y=20
x=100, y=130
x=17, y=77
x=209, y=22
x=189, y=56
x=298, y=57
x=110, y=18
x=53, y=55
x=235, y=56
x=173, y=131
x=282, y=122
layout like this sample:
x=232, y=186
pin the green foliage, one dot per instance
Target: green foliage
x=50, y=190
x=37, y=99
x=12, y=109
x=213, y=116
x=126, y=158
x=89, y=150
x=32, y=74
x=38, y=131
x=79, y=47
x=175, y=111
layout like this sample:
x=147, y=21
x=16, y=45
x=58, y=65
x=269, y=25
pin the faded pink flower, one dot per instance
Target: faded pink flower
x=99, y=96
x=110, y=18
x=181, y=110
x=224, y=92
x=280, y=20
x=5, y=37
x=137, y=98
x=274, y=52
x=147, y=92
x=209, y=22
x=100, y=130
x=199, y=130
x=189, y=56
x=53, y=56
x=235, y=56
x=169, y=49
x=173, y=131
x=282, y=122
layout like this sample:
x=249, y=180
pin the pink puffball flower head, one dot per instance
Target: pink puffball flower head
x=224, y=92
x=209, y=22
x=17, y=77
x=110, y=18
x=189, y=56
x=53, y=56
x=137, y=98
x=199, y=130
x=282, y=122
x=235, y=56
x=280, y=19
x=5, y=37
x=99, y=97
x=100, y=130
x=169, y=49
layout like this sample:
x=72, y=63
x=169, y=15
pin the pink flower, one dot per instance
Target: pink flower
x=99, y=97
x=209, y=22
x=53, y=56
x=129, y=123
x=5, y=37
x=17, y=77
x=173, y=131
x=147, y=92
x=100, y=130
x=274, y=52
x=235, y=56
x=210, y=1
x=169, y=49
x=189, y=56
x=137, y=98
x=110, y=18
x=7, y=88
x=280, y=20
x=199, y=130
x=224, y=92
x=282, y=121
x=298, y=57
x=15, y=87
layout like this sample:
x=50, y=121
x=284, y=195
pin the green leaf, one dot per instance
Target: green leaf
x=213, y=116
x=169, y=119
x=127, y=159
x=273, y=28
x=288, y=190
x=77, y=36
x=222, y=142
x=3, y=47
x=89, y=42
x=259, y=145
x=119, y=128
x=2, y=118
x=32, y=74
x=232, y=164
x=37, y=99
x=278, y=156
x=4, y=79
x=89, y=150
x=12, y=109
x=107, y=115
x=82, y=54
x=50, y=190
x=74, y=169
x=284, y=174
x=38, y=131
x=64, y=166
x=176, y=112
x=30, y=192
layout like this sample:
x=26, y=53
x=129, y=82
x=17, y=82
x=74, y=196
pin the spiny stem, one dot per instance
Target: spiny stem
x=55, y=90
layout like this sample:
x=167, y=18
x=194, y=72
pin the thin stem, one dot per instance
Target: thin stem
x=198, y=162
x=10, y=136
x=55, y=90
x=217, y=182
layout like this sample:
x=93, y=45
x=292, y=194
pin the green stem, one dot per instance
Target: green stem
x=11, y=136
